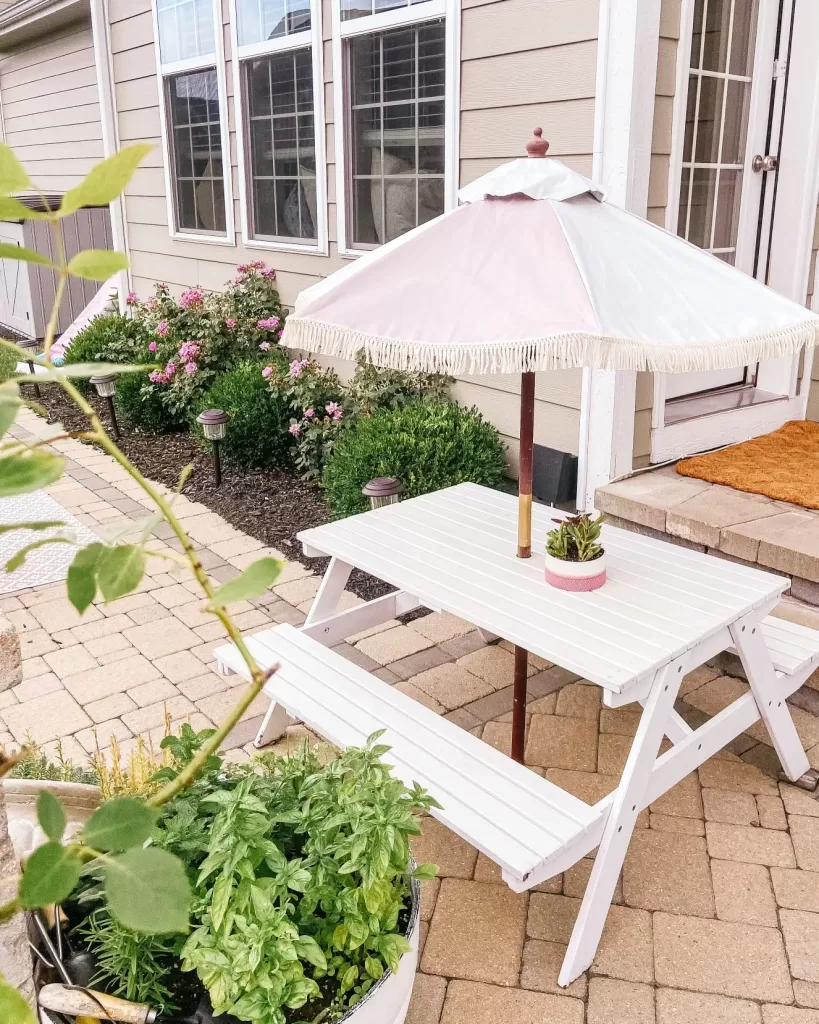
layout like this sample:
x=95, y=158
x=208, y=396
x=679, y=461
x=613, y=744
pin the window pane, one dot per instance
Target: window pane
x=736, y=122
x=703, y=184
x=185, y=29
x=361, y=8
x=717, y=33
x=398, y=174
x=259, y=20
x=706, y=150
x=196, y=139
x=282, y=167
x=726, y=224
x=743, y=38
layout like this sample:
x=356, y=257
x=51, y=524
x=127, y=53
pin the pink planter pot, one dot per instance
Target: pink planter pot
x=579, y=577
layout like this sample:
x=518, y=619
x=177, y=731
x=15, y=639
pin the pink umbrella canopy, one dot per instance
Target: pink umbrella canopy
x=534, y=271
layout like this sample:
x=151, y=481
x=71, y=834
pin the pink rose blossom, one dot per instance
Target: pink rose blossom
x=132, y=299
x=162, y=328
x=265, y=345
x=270, y=324
x=191, y=368
x=310, y=413
x=332, y=408
x=267, y=371
x=192, y=297
x=189, y=350
x=297, y=366
x=157, y=377
x=152, y=347
x=230, y=323
x=170, y=369
x=295, y=429
x=269, y=274
x=150, y=305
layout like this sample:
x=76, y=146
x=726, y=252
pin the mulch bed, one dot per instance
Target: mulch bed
x=272, y=506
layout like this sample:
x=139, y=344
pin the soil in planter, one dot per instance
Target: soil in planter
x=270, y=505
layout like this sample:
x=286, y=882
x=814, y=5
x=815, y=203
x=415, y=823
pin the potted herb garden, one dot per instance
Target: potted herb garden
x=575, y=559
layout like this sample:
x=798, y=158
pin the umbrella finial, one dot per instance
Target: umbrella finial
x=537, y=146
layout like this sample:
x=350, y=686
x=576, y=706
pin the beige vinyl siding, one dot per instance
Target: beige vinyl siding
x=813, y=300
x=525, y=63
x=51, y=114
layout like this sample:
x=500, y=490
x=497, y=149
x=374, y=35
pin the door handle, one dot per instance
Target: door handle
x=765, y=163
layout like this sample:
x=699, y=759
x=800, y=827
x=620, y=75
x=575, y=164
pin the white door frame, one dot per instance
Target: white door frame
x=798, y=190
x=628, y=50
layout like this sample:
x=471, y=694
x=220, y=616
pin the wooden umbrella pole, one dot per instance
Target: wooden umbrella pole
x=527, y=429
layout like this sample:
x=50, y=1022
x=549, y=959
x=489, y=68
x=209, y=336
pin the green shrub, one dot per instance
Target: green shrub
x=257, y=435
x=109, y=337
x=427, y=445
x=8, y=364
x=141, y=406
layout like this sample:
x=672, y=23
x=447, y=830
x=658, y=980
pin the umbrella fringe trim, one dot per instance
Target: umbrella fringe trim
x=554, y=352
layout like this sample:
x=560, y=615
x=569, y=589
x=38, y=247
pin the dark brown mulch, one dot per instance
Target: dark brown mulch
x=272, y=506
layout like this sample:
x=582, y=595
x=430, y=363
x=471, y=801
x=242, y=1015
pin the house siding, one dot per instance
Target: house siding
x=524, y=63
x=51, y=114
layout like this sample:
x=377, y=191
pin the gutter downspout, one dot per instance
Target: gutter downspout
x=100, y=31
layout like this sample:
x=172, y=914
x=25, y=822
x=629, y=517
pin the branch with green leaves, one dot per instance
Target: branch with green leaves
x=146, y=888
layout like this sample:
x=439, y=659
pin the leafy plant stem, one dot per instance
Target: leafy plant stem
x=8, y=910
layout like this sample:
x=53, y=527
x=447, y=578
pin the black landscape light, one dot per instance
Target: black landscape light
x=106, y=386
x=214, y=426
x=383, y=490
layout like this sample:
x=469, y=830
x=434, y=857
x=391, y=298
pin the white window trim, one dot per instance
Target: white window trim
x=217, y=60
x=297, y=41
x=415, y=14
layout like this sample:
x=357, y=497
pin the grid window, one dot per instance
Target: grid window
x=281, y=145
x=363, y=8
x=185, y=29
x=196, y=151
x=260, y=20
x=716, y=124
x=396, y=88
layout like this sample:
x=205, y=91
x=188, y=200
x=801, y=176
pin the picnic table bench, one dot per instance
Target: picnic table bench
x=663, y=611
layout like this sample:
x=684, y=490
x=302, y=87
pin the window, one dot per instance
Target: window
x=395, y=131
x=280, y=89
x=716, y=124
x=190, y=69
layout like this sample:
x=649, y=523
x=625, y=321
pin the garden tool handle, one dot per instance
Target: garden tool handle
x=82, y=1002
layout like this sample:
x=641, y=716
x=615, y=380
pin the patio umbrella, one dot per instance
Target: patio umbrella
x=536, y=271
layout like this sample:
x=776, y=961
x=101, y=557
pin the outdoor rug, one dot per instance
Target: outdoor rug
x=46, y=564
x=783, y=465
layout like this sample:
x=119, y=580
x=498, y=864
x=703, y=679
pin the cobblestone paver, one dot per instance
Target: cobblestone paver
x=716, y=920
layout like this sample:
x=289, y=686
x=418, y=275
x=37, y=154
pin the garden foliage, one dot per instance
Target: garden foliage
x=427, y=445
x=576, y=539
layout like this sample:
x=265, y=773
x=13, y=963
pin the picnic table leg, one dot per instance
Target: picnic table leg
x=627, y=804
x=519, y=704
x=329, y=593
x=756, y=660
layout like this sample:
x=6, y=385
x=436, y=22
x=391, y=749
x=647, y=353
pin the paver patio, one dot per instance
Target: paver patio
x=717, y=916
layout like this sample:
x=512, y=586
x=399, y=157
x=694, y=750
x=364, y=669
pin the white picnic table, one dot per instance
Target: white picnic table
x=663, y=611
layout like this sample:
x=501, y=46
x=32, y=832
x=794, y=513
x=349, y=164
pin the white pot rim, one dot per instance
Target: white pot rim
x=575, y=570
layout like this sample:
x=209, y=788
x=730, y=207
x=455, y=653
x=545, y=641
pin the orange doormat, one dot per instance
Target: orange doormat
x=783, y=465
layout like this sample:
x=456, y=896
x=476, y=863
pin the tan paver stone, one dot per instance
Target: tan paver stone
x=36, y=642
x=499, y=736
x=34, y=667
x=61, y=614
x=698, y=677
x=788, y=1015
x=438, y=845
x=477, y=933
x=613, y=1000
x=576, y=878
x=102, y=627
x=702, y=518
x=718, y=773
x=429, y=895
x=451, y=685
x=797, y=801
x=672, y=823
x=219, y=704
x=37, y=687
x=743, y=540
x=644, y=499
x=204, y=685
x=771, y=812
x=717, y=694
x=210, y=528
x=541, y=966
x=150, y=613
x=103, y=681
x=796, y=890
x=169, y=638
x=743, y=893
x=254, y=619
x=153, y=716
x=100, y=735
x=621, y=721
x=241, y=545
x=411, y=690
x=612, y=753
x=750, y=845
x=684, y=799
x=109, y=707
x=667, y=871
x=579, y=700
x=110, y=644
x=554, y=742
x=733, y=808
x=675, y=1007
x=393, y=644
x=179, y=667
x=70, y=660
x=493, y=664
x=806, y=993
x=427, y=1001
x=46, y=718
x=588, y=786
x=296, y=591
x=805, y=836
x=722, y=957
x=441, y=626
x=172, y=596
x=131, y=603
x=151, y=692
x=472, y=1003
x=801, y=931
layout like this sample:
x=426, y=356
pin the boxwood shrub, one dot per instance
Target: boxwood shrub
x=139, y=404
x=257, y=434
x=427, y=445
